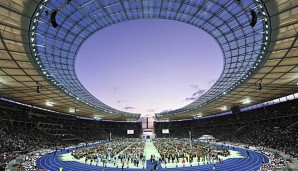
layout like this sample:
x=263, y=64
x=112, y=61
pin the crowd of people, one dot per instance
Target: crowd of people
x=277, y=162
x=179, y=151
x=273, y=126
x=24, y=130
x=119, y=153
x=19, y=138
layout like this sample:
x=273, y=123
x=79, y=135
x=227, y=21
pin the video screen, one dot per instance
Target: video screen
x=130, y=131
x=165, y=131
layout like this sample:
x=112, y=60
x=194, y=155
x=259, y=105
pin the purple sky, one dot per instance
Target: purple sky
x=148, y=66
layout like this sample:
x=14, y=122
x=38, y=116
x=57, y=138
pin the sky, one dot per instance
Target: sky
x=149, y=66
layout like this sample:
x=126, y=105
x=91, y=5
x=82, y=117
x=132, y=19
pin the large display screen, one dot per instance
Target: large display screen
x=165, y=131
x=129, y=131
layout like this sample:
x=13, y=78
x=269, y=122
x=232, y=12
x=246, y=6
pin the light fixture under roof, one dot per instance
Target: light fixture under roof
x=72, y=110
x=246, y=101
x=97, y=118
x=224, y=108
x=50, y=104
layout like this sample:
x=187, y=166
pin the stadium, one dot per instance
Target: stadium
x=247, y=120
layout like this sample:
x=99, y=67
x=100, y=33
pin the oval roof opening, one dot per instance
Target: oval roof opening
x=148, y=66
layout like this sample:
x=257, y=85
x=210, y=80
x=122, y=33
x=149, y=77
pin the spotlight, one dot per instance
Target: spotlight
x=253, y=18
x=38, y=87
x=54, y=13
x=53, y=18
x=260, y=86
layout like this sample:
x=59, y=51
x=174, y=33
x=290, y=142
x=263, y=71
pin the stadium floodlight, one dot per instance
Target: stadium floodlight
x=72, y=109
x=254, y=17
x=53, y=19
x=54, y=13
x=224, y=108
x=38, y=87
x=260, y=86
x=246, y=101
x=51, y=104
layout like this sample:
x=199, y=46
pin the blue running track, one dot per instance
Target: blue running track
x=250, y=163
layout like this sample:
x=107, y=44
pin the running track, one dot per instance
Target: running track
x=251, y=163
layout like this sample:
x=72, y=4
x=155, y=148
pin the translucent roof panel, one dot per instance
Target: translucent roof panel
x=54, y=49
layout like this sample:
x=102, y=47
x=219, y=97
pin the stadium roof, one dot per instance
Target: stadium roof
x=37, y=56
